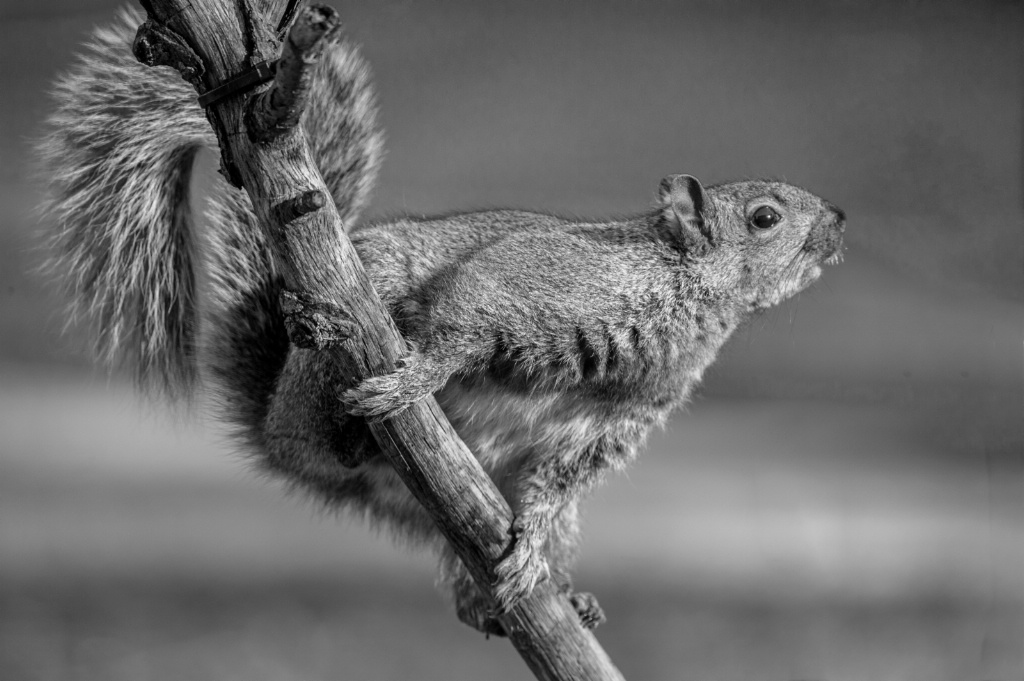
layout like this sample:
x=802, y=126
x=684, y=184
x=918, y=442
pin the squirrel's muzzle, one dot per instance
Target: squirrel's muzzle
x=826, y=237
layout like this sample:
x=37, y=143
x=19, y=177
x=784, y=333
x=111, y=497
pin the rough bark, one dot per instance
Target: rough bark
x=271, y=160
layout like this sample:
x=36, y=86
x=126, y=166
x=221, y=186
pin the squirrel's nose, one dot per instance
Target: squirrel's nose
x=838, y=213
x=826, y=237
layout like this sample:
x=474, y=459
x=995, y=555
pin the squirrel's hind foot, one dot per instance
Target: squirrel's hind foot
x=522, y=569
x=587, y=607
x=478, y=614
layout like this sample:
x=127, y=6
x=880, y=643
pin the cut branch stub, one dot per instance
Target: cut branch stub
x=279, y=109
x=290, y=210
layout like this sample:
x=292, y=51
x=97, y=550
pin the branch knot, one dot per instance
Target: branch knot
x=157, y=45
x=315, y=324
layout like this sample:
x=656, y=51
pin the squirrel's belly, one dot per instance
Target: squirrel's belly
x=502, y=426
x=499, y=424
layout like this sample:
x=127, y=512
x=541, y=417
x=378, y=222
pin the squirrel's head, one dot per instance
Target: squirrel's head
x=761, y=240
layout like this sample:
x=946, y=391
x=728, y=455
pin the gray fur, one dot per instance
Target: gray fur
x=553, y=345
x=118, y=156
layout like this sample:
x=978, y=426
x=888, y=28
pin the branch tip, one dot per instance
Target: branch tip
x=314, y=24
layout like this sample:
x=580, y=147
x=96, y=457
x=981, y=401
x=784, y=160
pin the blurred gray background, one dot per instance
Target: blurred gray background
x=845, y=497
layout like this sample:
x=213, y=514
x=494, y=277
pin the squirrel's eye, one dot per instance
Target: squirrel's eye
x=765, y=217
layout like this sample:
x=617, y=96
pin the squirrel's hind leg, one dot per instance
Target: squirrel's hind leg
x=551, y=480
x=476, y=609
x=307, y=437
x=561, y=554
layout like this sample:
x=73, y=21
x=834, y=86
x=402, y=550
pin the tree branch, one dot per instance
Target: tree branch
x=279, y=109
x=320, y=266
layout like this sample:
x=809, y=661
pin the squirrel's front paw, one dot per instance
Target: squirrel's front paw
x=381, y=397
x=521, y=570
x=376, y=398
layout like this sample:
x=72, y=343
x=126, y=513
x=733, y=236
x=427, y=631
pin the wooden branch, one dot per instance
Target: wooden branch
x=315, y=324
x=279, y=109
x=320, y=266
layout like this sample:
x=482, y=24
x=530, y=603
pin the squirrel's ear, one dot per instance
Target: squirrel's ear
x=682, y=213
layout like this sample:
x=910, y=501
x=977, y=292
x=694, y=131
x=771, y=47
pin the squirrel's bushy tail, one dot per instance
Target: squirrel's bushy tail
x=118, y=156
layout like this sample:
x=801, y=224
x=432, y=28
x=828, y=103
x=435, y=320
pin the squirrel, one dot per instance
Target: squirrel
x=553, y=345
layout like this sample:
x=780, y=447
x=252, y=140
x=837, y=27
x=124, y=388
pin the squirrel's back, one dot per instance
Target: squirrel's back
x=404, y=255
